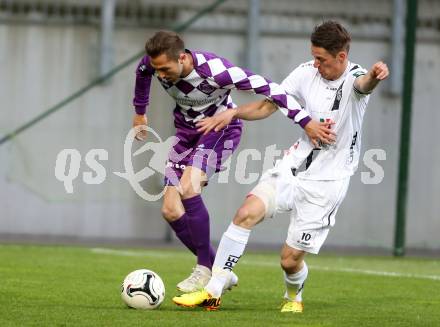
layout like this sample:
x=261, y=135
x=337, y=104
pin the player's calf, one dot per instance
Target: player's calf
x=170, y=213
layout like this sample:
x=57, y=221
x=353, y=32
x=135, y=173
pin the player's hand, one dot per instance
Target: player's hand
x=320, y=132
x=379, y=71
x=217, y=122
x=140, y=126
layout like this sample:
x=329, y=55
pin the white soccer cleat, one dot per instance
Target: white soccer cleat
x=232, y=281
x=196, y=281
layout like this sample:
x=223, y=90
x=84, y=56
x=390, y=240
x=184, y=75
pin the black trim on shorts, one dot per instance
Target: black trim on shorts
x=331, y=215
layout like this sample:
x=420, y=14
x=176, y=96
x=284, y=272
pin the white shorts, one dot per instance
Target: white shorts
x=313, y=205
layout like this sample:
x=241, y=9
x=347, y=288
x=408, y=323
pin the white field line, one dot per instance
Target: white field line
x=350, y=270
x=154, y=254
x=378, y=273
x=261, y=263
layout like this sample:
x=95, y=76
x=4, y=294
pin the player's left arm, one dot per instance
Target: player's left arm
x=251, y=111
x=317, y=131
x=366, y=83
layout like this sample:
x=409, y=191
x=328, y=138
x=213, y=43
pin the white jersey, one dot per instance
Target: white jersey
x=324, y=100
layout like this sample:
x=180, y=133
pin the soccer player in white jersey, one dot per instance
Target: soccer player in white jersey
x=200, y=83
x=331, y=89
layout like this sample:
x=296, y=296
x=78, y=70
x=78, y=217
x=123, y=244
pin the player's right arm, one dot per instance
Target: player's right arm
x=141, y=100
x=316, y=131
x=237, y=78
x=140, y=123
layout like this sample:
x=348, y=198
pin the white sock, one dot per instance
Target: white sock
x=295, y=284
x=230, y=249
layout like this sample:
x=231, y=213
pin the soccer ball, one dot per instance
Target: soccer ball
x=143, y=289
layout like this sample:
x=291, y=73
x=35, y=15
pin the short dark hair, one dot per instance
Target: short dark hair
x=331, y=36
x=166, y=42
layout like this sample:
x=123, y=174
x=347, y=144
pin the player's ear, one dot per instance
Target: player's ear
x=182, y=58
x=342, y=55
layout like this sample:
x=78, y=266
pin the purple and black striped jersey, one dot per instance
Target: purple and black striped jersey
x=206, y=90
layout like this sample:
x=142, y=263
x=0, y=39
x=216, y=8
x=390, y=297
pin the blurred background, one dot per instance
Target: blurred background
x=51, y=49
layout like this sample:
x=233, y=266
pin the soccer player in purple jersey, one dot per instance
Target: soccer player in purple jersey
x=200, y=83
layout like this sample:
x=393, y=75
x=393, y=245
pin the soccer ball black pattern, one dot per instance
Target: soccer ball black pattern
x=143, y=289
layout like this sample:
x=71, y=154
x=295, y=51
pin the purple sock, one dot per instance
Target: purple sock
x=180, y=227
x=198, y=225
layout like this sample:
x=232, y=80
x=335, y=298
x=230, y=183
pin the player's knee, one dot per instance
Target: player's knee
x=287, y=264
x=188, y=189
x=290, y=264
x=170, y=213
x=243, y=218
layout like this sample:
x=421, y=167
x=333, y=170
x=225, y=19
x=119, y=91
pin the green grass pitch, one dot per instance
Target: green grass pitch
x=78, y=286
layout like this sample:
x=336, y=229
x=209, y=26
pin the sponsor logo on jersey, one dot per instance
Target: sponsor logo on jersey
x=170, y=164
x=206, y=88
x=184, y=101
